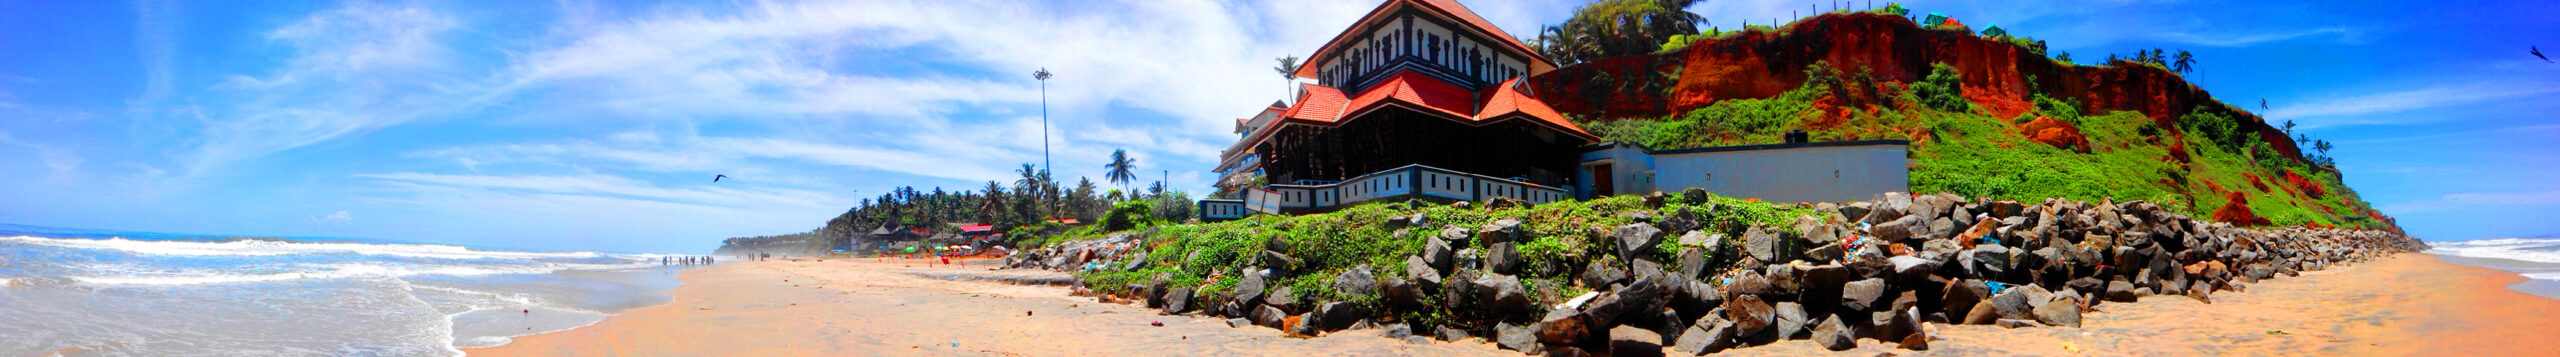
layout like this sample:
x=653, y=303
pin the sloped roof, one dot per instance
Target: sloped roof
x=1447, y=8
x=1315, y=103
x=1326, y=106
x=1506, y=99
x=1414, y=88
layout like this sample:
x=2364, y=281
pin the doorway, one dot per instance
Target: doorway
x=1604, y=180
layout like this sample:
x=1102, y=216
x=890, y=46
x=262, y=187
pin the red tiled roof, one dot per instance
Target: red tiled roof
x=1321, y=105
x=1449, y=8
x=1316, y=103
x=1414, y=88
x=977, y=228
x=1506, y=100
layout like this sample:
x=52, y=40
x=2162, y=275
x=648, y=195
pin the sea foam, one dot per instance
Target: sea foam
x=2538, y=250
x=253, y=247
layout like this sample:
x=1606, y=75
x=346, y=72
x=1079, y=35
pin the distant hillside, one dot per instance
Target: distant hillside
x=1988, y=116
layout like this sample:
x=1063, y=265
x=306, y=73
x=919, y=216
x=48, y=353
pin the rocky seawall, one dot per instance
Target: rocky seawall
x=1883, y=269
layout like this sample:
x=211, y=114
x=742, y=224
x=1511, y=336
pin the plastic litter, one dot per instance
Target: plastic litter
x=1995, y=286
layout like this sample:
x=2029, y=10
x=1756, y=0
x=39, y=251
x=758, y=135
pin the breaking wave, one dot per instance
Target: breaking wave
x=256, y=247
x=2539, y=250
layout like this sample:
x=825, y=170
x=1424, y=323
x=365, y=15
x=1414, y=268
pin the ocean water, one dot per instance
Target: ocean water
x=2538, y=259
x=164, y=296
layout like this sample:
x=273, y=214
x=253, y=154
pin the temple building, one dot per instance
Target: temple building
x=1415, y=86
x=1422, y=99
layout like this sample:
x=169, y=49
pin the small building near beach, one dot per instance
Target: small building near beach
x=1795, y=171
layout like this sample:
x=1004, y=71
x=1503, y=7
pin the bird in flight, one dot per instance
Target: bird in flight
x=716, y=178
x=2537, y=53
x=2262, y=104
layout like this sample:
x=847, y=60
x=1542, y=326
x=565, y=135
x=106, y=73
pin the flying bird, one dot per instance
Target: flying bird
x=2537, y=53
x=716, y=178
x=2262, y=104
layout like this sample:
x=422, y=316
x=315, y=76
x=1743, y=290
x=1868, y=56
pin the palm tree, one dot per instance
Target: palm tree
x=1034, y=188
x=992, y=208
x=1119, y=168
x=2185, y=64
x=1288, y=71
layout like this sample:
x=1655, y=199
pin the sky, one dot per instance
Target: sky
x=598, y=125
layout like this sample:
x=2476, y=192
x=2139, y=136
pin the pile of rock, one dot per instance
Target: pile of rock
x=1115, y=251
x=1881, y=269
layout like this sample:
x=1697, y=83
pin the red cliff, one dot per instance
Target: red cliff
x=1761, y=64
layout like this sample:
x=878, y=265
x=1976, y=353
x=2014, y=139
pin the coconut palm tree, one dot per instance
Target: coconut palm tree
x=2185, y=64
x=1119, y=168
x=992, y=207
x=1288, y=71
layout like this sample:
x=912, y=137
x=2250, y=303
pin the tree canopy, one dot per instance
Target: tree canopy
x=1612, y=28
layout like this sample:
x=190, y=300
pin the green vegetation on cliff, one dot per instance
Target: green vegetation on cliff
x=1956, y=147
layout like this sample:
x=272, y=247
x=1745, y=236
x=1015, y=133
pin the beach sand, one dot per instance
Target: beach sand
x=864, y=307
x=2409, y=304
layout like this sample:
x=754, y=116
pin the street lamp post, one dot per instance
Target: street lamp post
x=1043, y=76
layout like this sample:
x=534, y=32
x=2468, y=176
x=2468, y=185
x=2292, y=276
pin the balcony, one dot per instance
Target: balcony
x=1402, y=183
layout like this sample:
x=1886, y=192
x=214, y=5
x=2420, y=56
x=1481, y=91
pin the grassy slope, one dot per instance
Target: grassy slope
x=1966, y=152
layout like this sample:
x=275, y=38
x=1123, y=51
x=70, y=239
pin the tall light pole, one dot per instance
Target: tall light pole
x=1043, y=76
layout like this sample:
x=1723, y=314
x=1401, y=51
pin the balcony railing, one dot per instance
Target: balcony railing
x=1408, y=182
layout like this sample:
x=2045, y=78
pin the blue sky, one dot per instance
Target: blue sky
x=578, y=125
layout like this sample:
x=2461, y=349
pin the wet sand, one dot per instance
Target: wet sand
x=2405, y=305
x=864, y=307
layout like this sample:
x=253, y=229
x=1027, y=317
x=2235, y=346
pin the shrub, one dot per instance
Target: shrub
x=1943, y=89
x=1125, y=215
x=2215, y=127
x=1173, y=206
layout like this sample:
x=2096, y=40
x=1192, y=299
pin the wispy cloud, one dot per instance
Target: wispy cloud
x=2250, y=39
x=155, y=37
x=959, y=161
x=2465, y=135
x=59, y=161
x=2475, y=200
x=618, y=187
x=355, y=70
x=2346, y=110
x=337, y=217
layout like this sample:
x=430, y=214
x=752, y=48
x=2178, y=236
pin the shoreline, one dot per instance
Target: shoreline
x=2530, y=286
x=2405, y=304
x=874, y=307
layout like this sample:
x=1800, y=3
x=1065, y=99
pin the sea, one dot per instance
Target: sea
x=2538, y=259
x=82, y=292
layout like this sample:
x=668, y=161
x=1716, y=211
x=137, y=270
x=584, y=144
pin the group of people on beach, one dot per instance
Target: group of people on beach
x=685, y=260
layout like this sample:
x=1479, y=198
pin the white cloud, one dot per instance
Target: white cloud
x=59, y=161
x=155, y=38
x=2346, y=110
x=2476, y=200
x=2239, y=40
x=354, y=70
x=723, y=196
x=340, y=216
x=952, y=158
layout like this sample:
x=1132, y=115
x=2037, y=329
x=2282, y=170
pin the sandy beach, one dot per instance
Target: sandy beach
x=2405, y=305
